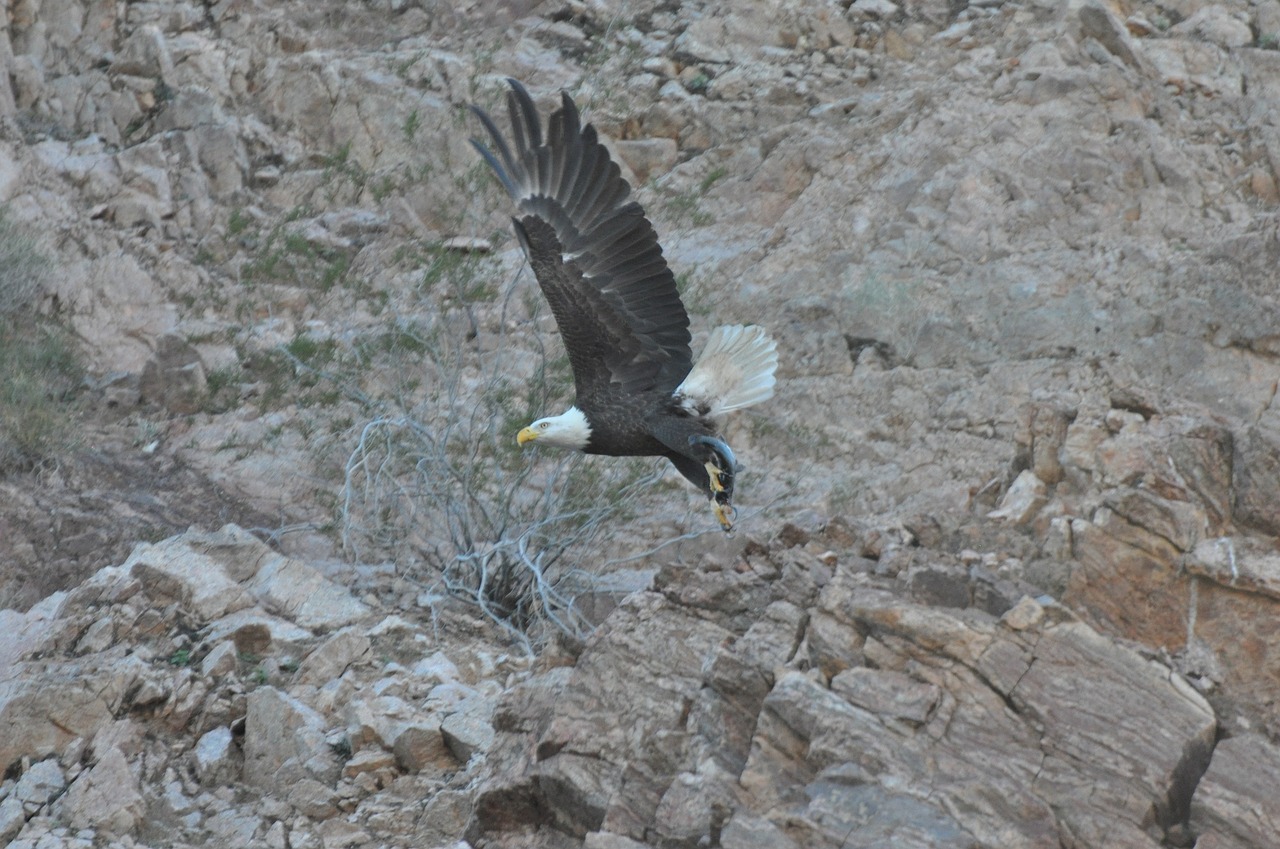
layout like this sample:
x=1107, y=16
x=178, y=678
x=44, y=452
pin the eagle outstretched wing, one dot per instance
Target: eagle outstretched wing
x=595, y=255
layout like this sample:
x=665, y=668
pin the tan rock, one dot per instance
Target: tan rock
x=1026, y=496
x=173, y=570
x=215, y=762
x=293, y=589
x=397, y=726
x=254, y=632
x=106, y=798
x=648, y=158
x=1233, y=806
x=469, y=729
x=330, y=659
x=284, y=742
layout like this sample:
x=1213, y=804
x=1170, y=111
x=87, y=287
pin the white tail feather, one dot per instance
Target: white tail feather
x=735, y=371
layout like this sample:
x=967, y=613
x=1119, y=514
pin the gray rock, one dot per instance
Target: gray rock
x=40, y=785
x=888, y=694
x=1033, y=718
x=437, y=668
x=1233, y=806
x=284, y=742
x=174, y=378
x=469, y=729
x=106, y=798
x=295, y=590
x=1218, y=25
x=215, y=761
x=332, y=657
x=1098, y=22
x=12, y=818
x=174, y=570
x=1256, y=479
x=1023, y=500
x=220, y=660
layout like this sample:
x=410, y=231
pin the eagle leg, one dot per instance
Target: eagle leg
x=722, y=468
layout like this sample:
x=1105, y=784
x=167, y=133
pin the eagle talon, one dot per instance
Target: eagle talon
x=725, y=514
x=715, y=473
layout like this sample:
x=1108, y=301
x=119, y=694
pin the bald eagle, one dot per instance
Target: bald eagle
x=599, y=264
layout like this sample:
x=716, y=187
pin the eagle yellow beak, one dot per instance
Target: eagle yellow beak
x=526, y=435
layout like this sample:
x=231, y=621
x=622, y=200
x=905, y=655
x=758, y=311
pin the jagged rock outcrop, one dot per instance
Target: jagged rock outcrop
x=205, y=662
x=1020, y=259
x=775, y=703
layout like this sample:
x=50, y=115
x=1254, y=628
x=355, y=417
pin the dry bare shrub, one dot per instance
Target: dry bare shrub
x=436, y=481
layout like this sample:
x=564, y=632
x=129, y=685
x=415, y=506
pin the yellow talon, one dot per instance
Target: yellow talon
x=713, y=472
x=725, y=514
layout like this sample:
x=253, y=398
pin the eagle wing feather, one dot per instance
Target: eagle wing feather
x=595, y=254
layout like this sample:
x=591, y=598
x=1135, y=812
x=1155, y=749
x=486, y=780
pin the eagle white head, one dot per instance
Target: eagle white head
x=569, y=430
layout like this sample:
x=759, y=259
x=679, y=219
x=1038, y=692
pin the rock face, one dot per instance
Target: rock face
x=130, y=701
x=748, y=723
x=1008, y=573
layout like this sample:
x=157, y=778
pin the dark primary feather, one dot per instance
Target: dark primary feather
x=595, y=255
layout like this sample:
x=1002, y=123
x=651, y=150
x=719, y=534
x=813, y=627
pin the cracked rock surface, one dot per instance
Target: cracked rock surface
x=1007, y=573
x=842, y=711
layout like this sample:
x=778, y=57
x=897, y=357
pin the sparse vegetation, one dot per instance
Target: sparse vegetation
x=436, y=481
x=39, y=367
x=685, y=208
x=411, y=125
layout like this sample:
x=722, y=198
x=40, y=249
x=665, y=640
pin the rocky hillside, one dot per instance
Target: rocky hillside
x=1006, y=574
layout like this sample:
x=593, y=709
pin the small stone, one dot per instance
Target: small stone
x=878, y=9
x=1139, y=26
x=105, y=798
x=214, y=762
x=468, y=244
x=368, y=760
x=40, y=784
x=220, y=661
x=470, y=730
x=1023, y=615
x=1026, y=496
x=332, y=657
